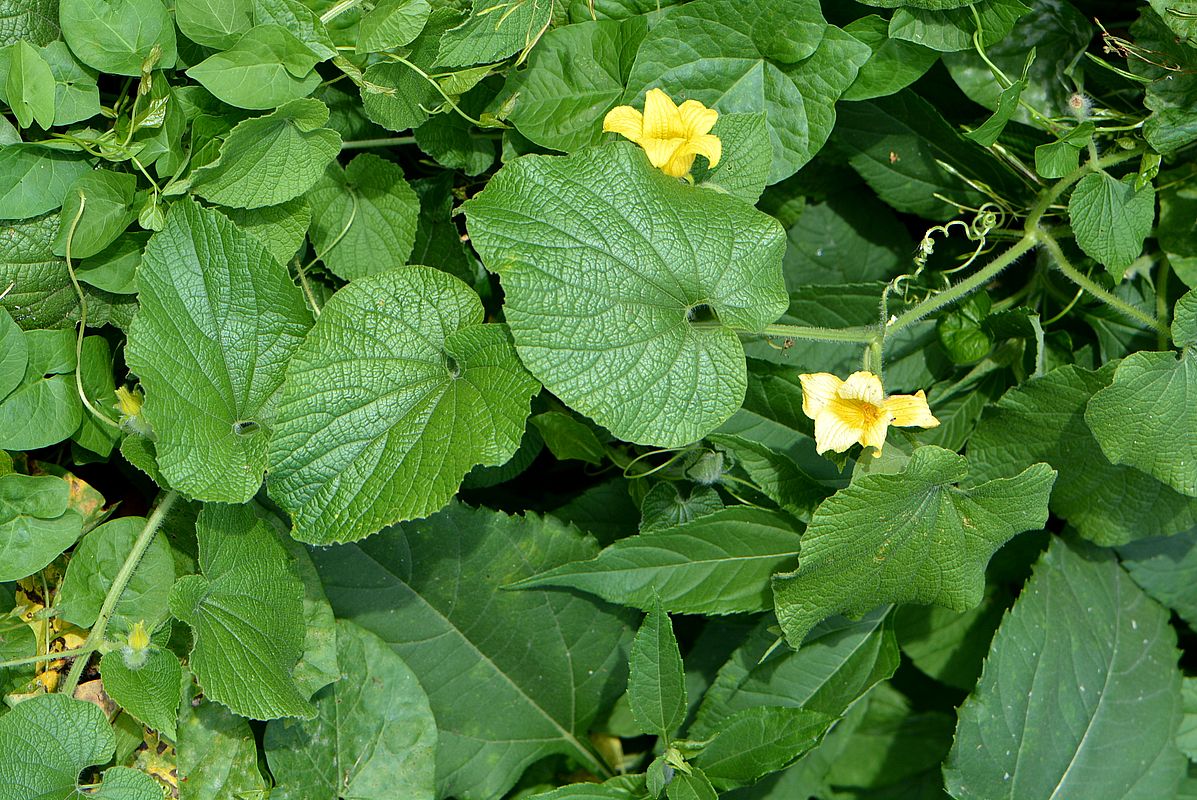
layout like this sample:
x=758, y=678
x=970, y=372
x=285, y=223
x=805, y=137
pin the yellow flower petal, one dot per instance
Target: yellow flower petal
x=818, y=389
x=661, y=151
x=680, y=162
x=706, y=145
x=874, y=435
x=832, y=432
x=697, y=119
x=626, y=121
x=911, y=410
x=863, y=386
x=661, y=117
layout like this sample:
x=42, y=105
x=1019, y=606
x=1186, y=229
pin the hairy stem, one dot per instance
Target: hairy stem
x=20, y=662
x=96, y=636
x=962, y=288
x=1085, y=282
x=862, y=335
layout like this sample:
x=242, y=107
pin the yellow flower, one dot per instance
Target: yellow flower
x=671, y=135
x=128, y=402
x=857, y=410
x=139, y=637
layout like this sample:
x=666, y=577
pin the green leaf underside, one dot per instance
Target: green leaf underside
x=1084, y=635
x=1144, y=418
x=717, y=564
x=910, y=537
x=373, y=735
x=603, y=259
x=549, y=660
x=397, y=392
x=218, y=321
x=656, y=680
x=363, y=217
x=246, y=616
x=1044, y=421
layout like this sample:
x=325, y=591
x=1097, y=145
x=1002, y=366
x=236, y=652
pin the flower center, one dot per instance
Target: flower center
x=857, y=413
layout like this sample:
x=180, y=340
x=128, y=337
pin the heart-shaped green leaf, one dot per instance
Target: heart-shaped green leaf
x=609, y=268
x=397, y=392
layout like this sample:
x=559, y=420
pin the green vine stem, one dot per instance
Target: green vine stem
x=962, y=288
x=859, y=335
x=1085, y=282
x=20, y=662
x=96, y=637
x=82, y=318
x=364, y=144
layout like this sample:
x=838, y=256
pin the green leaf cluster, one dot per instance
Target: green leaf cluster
x=402, y=398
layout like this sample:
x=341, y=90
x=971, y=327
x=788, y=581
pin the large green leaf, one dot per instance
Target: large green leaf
x=219, y=320
x=95, y=563
x=373, y=735
x=117, y=36
x=363, y=217
x=717, y=564
x=49, y=739
x=952, y=29
x=1044, y=420
x=894, y=63
x=282, y=228
x=1082, y=634
x=392, y=23
x=575, y=75
x=214, y=23
x=36, y=523
x=1144, y=418
x=34, y=180
x=656, y=681
x=839, y=662
x=267, y=67
x=1166, y=568
x=494, y=32
x=712, y=52
x=900, y=145
x=14, y=354
x=1111, y=219
x=33, y=20
x=605, y=262
x=217, y=754
x=409, y=95
x=246, y=616
x=515, y=676
x=270, y=159
x=911, y=537
x=397, y=392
